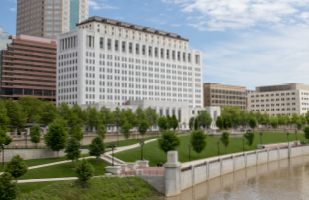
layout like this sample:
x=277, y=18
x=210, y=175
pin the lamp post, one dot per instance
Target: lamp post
x=112, y=145
x=243, y=144
x=261, y=137
x=3, y=156
x=189, y=145
x=287, y=135
x=142, y=144
x=296, y=135
x=218, y=148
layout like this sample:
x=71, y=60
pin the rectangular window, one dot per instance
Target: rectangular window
x=109, y=44
x=123, y=46
x=116, y=45
x=101, y=42
x=130, y=47
x=137, y=49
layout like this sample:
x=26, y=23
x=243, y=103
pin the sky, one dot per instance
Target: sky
x=244, y=42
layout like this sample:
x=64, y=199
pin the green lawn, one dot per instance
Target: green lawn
x=100, y=188
x=122, y=143
x=154, y=154
x=29, y=187
x=63, y=170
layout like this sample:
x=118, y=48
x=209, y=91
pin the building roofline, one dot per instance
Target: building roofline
x=132, y=26
x=225, y=85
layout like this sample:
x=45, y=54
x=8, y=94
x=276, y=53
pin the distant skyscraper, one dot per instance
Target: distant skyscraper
x=50, y=17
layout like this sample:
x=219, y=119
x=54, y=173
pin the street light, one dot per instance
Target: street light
x=112, y=145
x=142, y=144
x=189, y=145
x=296, y=135
x=261, y=137
x=218, y=148
x=3, y=156
x=287, y=135
x=243, y=144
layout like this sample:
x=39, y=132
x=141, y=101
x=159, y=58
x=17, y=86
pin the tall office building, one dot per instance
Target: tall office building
x=110, y=61
x=29, y=68
x=49, y=18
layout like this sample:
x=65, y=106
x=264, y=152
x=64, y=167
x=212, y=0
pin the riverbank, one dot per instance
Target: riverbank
x=100, y=188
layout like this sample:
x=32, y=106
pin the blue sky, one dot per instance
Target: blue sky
x=244, y=42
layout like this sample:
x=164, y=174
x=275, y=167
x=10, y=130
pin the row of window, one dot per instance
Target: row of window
x=267, y=100
x=278, y=104
x=277, y=94
x=227, y=92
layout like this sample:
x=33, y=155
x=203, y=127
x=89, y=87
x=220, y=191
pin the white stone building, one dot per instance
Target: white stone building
x=110, y=61
x=283, y=99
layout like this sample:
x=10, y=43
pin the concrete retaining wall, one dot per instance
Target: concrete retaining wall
x=216, y=167
x=29, y=154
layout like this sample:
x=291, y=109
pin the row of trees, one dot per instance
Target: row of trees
x=234, y=117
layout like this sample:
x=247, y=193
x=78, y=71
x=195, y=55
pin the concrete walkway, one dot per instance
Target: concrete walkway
x=57, y=163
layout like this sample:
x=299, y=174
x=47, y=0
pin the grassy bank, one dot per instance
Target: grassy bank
x=155, y=155
x=63, y=170
x=100, y=188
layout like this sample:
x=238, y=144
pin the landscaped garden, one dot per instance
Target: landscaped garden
x=152, y=152
x=100, y=188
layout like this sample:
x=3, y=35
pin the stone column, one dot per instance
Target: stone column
x=172, y=174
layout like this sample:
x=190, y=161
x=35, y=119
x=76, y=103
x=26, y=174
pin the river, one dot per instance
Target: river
x=285, y=179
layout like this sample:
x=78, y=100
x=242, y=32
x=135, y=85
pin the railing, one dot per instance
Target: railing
x=227, y=158
x=185, y=169
x=200, y=165
x=153, y=172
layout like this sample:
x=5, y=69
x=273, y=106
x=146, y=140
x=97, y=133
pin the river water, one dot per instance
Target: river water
x=285, y=179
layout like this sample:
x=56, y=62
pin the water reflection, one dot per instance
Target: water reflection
x=285, y=179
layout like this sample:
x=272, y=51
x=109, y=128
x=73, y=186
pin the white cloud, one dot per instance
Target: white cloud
x=215, y=15
x=100, y=6
x=13, y=9
x=275, y=57
x=176, y=25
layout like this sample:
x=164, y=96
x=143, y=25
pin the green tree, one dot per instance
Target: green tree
x=303, y=119
x=119, y=117
x=264, y=118
x=204, y=119
x=174, y=122
x=16, y=167
x=252, y=123
x=307, y=116
x=106, y=116
x=4, y=119
x=198, y=141
x=249, y=136
x=162, y=123
x=96, y=148
x=81, y=116
x=4, y=139
x=196, y=124
x=225, y=139
x=48, y=112
x=220, y=123
x=76, y=132
x=281, y=119
x=17, y=116
x=169, y=122
x=35, y=135
x=67, y=114
x=8, y=188
x=31, y=106
x=56, y=136
x=295, y=118
x=101, y=131
x=233, y=113
x=84, y=172
x=191, y=123
x=93, y=118
x=143, y=127
x=130, y=117
x=72, y=150
x=306, y=131
x=227, y=122
x=274, y=122
x=299, y=125
x=168, y=141
x=140, y=115
x=125, y=130
x=151, y=116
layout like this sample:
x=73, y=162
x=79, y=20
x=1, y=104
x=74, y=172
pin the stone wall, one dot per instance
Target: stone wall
x=29, y=154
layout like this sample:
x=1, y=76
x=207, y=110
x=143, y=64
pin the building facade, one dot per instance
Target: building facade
x=29, y=68
x=283, y=99
x=50, y=17
x=4, y=41
x=216, y=94
x=110, y=61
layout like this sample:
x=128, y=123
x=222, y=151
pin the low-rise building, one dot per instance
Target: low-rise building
x=216, y=94
x=284, y=99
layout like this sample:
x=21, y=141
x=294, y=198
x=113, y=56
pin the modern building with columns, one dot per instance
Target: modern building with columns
x=109, y=61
